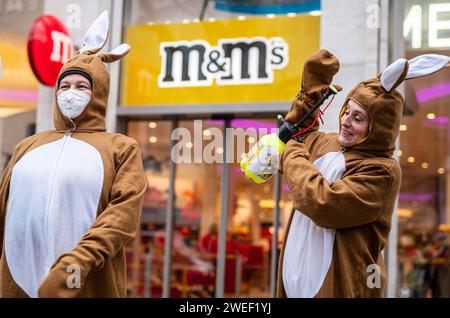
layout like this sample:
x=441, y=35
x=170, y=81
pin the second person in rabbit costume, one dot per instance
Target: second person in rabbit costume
x=71, y=198
x=344, y=185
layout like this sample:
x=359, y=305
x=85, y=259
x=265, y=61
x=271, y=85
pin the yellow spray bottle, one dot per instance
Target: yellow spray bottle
x=262, y=161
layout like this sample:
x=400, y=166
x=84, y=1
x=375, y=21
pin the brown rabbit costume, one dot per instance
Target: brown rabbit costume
x=71, y=198
x=343, y=196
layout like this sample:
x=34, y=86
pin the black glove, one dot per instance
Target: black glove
x=287, y=130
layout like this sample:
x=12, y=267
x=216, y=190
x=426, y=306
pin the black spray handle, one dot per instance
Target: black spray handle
x=287, y=130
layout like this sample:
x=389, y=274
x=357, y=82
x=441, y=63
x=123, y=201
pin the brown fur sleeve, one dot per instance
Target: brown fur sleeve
x=356, y=199
x=20, y=149
x=4, y=193
x=113, y=228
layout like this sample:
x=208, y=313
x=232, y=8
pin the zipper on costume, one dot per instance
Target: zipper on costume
x=49, y=217
x=338, y=153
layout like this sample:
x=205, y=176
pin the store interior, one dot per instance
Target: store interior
x=424, y=198
x=198, y=196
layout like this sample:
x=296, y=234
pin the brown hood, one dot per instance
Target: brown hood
x=93, y=116
x=385, y=112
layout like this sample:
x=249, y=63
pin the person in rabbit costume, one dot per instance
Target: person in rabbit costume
x=344, y=185
x=71, y=198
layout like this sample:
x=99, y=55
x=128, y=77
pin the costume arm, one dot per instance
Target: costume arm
x=356, y=199
x=19, y=150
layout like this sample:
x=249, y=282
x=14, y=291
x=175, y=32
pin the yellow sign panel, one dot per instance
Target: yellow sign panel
x=18, y=85
x=228, y=61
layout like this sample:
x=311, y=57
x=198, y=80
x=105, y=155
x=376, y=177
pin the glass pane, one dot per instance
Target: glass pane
x=198, y=206
x=423, y=237
x=146, y=253
x=250, y=216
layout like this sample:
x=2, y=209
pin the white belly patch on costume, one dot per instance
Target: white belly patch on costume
x=309, y=248
x=53, y=200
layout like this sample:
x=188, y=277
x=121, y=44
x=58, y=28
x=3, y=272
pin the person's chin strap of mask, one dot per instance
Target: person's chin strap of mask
x=72, y=103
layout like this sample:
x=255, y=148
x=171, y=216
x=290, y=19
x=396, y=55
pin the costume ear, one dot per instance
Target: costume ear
x=394, y=74
x=419, y=66
x=115, y=54
x=96, y=35
x=426, y=64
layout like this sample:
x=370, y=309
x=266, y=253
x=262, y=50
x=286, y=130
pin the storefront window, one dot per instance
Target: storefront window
x=197, y=203
x=424, y=155
x=251, y=214
x=146, y=254
x=198, y=62
x=198, y=196
x=18, y=85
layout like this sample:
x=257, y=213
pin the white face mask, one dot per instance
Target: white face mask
x=72, y=102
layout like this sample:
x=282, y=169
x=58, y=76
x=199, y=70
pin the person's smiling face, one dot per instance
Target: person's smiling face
x=354, y=125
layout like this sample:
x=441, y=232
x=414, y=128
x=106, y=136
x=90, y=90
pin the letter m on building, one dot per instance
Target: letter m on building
x=181, y=64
